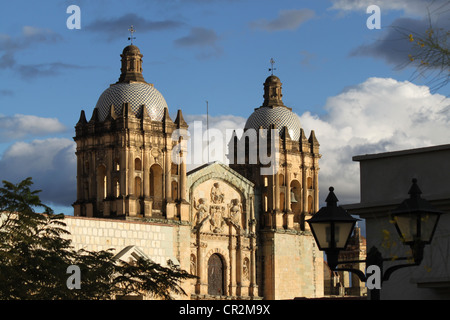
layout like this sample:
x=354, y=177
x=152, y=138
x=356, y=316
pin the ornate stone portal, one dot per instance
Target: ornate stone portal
x=222, y=232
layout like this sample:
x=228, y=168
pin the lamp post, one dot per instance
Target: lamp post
x=415, y=221
x=331, y=227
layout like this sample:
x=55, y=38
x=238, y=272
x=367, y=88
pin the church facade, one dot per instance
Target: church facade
x=240, y=228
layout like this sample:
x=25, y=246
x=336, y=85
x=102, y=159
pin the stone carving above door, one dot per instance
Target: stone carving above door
x=214, y=214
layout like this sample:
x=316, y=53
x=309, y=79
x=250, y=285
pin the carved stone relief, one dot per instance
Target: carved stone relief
x=213, y=214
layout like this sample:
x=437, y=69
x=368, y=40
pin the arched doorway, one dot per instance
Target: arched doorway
x=215, y=275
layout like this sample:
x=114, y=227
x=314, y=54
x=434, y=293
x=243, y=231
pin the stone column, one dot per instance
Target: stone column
x=170, y=205
x=289, y=213
x=276, y=183
x=252, y=228
x=239, y=266
x=183, y=176
x=287, y=180
x=232, y=252
x=92, y=177
x=316, y=189
x=305, y=189
x=278, y=214
x=109, y=169
x=146, y=184
x=253, y=287
x=168, y=175
x=80, y=169
x=202, y=281
x=146, y=177
x=130, y=170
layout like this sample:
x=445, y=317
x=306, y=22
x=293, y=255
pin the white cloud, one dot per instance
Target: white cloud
x=378, y=115
x=20, y=126
x=50, y=162
x=286, y=20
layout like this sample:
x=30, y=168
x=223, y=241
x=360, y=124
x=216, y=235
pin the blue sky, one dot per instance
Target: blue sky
x=345, y=81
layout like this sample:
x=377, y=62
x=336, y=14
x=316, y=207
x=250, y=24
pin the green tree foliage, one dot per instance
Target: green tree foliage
x=36, y=250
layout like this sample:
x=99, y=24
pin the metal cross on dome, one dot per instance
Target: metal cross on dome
x=131, y=32
x=272, y=62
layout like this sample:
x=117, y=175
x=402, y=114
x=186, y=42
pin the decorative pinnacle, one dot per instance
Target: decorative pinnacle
x=132, y=30
x=414, y=191
x=331, y=200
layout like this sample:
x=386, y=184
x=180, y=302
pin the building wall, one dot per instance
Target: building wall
x=381, y=193
x=160, y=242
x=293, y=266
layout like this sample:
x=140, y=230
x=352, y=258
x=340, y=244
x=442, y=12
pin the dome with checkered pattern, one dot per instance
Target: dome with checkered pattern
x=137, y=94
x=279, y=116
x=274, y=112
x=132, y=89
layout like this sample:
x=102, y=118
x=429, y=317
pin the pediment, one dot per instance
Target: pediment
x=131, y=253
x=220, y=199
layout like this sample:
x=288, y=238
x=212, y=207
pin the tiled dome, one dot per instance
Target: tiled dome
x=136, y=94
x=280, y=116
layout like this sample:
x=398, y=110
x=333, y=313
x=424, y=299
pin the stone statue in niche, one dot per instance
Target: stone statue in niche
x=202, y=213
x=235, y=212
x=217, y=196
x=193, y=265
x=216, y=221
x=246, y=269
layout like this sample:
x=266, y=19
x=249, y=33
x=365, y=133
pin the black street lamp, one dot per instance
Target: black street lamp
x=415, y=221
x=331, y=227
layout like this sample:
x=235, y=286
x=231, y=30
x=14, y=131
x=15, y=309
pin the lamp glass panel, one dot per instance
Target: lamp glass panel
x=407, y=225
x=322, y=232
x=428, y=222
x=342, y=231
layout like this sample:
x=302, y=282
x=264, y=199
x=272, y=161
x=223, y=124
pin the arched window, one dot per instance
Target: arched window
x=281, y=180
x=174, y=169
x=137, y=164
x=309, y=183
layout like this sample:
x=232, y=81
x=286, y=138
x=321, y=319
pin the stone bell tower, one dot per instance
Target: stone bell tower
x=289, y=191
x=124, y=152
x=286, y=193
